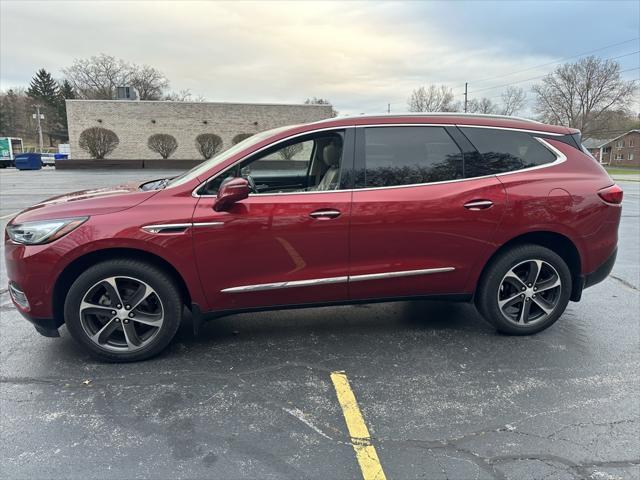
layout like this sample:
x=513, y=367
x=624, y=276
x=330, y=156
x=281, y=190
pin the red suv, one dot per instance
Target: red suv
x=507, y=213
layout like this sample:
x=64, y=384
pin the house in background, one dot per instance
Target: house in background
x=623, y=150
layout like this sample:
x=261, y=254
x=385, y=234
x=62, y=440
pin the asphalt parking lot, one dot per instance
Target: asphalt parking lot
x=442, y=394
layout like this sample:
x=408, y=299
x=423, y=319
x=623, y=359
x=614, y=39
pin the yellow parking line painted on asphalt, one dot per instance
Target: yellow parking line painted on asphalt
x=360, y=439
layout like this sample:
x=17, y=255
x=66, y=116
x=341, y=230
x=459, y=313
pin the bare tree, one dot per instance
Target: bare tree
x=240, y=137
x=290, y=151
x=98, y=142
x=99, y=76
x=208, y=144
x=432, y=99
x=163, y=144
x=578, y=94
x=184, y=95
x=321, y=101
x=482, y=105
x=149, y=82
x=513, y=100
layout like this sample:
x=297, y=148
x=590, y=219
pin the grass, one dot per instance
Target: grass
x=622, y=171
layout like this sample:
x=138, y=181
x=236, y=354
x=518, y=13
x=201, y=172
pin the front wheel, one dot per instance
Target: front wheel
x=524, y=290
x=123, y=310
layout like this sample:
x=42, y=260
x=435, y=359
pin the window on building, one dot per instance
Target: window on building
x=503, y=151
x=632, y=156
x=410, y=155
x=620, y=143
x=619, y=156
x=631, y=142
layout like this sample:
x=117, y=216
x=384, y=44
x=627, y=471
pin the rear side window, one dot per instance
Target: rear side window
x=410, y=155
x=503, y=151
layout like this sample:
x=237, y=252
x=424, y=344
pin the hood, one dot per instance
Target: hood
x=98, y=201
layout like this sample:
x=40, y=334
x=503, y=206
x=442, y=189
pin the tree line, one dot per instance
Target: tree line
x=589, y=94
x=94, y=78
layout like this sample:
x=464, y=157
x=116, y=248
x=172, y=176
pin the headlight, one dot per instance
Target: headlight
x=43, y=231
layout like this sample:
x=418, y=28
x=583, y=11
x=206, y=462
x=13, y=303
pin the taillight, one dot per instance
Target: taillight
x=612, y=194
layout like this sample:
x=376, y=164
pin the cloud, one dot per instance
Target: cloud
x=360, y=55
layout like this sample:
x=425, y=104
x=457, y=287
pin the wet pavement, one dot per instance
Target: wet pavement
x=443, y=395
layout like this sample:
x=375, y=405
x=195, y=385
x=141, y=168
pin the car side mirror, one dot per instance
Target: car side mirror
x=231, y=192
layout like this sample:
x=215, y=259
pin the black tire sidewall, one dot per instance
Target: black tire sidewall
x=487, y=302
x=155, y=277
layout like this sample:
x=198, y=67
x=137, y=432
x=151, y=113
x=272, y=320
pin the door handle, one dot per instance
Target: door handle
x=478, y=205
x=327, y=213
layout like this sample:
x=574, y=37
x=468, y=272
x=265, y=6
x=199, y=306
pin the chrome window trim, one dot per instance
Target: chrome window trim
x=334, y=280
x=283, y=140
x=560, y=158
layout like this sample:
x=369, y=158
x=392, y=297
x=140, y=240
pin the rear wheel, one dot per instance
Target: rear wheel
x=123, y=310
x=524, y=290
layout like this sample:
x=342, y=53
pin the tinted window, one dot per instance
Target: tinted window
x=410, y=155
x=503, y=151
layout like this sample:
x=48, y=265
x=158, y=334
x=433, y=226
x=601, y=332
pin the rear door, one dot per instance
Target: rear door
x=418, y=226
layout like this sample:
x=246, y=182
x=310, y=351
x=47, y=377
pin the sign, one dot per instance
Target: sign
x=5, y=148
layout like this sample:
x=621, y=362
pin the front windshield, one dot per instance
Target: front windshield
x=222, y=156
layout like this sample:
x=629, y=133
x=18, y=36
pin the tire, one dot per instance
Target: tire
x=123, y=310
x=510, y=283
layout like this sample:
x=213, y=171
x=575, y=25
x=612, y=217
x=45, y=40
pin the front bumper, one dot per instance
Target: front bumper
x=44, y=326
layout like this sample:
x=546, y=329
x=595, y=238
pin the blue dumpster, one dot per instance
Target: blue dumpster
x=60, y=156
x=28, y=161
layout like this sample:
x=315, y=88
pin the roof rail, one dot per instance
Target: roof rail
x=442, y=114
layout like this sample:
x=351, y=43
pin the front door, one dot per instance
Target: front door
x=288, y=242
x=418, y=227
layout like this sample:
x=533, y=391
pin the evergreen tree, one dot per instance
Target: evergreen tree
x=67, y=91
x=43, y=87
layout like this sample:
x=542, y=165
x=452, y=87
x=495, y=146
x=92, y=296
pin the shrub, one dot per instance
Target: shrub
x=208, y=144
x=163, y=144
x=98, y=142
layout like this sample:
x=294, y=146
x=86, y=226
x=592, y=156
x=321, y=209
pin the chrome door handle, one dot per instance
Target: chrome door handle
x=478, y=205
x=325, y=214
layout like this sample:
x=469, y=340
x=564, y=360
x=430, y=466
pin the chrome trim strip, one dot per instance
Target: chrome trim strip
x=278, y=285
x=405, y=273
x=282, y=140
x=165, y=226
x=332, y=280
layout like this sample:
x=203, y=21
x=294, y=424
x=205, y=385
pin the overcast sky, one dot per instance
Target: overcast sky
x=361, y=56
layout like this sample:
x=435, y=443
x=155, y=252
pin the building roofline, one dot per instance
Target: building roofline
x=619, y=136
x=201, y=103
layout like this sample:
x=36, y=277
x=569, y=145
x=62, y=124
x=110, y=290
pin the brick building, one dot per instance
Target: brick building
x=623, y=150
x=135, y=121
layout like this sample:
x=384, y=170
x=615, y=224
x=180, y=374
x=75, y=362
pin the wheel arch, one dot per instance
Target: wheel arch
x=77, y=266
x=558, y=243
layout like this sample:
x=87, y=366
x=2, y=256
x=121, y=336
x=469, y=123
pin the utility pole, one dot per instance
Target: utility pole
x=388, y=108
x=38, y=116
x=465, y=96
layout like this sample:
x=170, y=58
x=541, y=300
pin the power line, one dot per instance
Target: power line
x=555, y=61
x=541, y=76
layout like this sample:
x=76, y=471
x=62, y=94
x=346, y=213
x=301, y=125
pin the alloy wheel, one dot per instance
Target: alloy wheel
x=121, y=314
x=529, y=292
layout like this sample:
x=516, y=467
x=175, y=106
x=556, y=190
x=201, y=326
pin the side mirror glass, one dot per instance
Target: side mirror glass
x=231, y=192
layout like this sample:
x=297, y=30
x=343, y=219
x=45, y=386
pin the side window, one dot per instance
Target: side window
x=410, y=155
x=503, y=151
x=310, y=164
